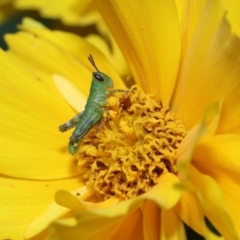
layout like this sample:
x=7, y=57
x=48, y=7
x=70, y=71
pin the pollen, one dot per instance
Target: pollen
x=131, y=147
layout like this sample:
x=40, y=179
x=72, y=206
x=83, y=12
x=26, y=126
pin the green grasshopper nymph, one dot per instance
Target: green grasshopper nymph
x=94, y=108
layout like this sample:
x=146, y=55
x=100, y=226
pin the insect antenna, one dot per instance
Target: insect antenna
x=91, y=60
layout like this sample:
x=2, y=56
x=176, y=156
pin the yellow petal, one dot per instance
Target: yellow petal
x=43, y=219
x=77, y=47
x=118, y=221
x=164, y=193
x=22, y=200
x=171, y=226
x=189, y=211
x=120, y=216
x=32, y=109
x=151, y=220
x=180, y=6
x=233, y=9
x=130, y=228
x=52, y=60
x=218, y=156
x=229, y=119
x=210, y=71
x=70, y=93
x=213, y=204
x=77, y=203
x=52, y=212
x=215, y=118
x=30, y=4
x=189, y=15
x=71, y=12
x=186, y=149
x=149, y=36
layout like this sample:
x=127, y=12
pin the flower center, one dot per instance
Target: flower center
x=134, y=144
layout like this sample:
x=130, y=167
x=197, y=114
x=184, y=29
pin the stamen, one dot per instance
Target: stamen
x=134, y=144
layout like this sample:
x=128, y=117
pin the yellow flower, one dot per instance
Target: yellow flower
x=186, y=55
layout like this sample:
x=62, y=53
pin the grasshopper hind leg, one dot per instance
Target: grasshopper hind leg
x=71, y=123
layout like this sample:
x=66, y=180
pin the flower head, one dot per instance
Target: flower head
x=135, y=144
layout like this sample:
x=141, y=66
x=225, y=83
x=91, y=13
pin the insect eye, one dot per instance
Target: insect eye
x=98, y=77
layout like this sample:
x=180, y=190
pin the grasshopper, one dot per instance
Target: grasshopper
x=94, y=108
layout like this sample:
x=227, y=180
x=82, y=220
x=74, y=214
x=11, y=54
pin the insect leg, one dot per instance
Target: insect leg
x=71, y=123
x=81, y=130
x=84, y=127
